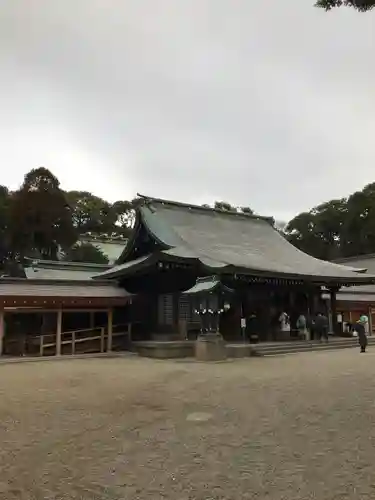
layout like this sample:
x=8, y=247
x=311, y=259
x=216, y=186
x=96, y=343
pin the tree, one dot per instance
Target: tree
x=40, y=217
x=319, y=232
x=125, y=216
x=359, y=227
x=85, y=252
x=5, y=198
x=360, y=5
x=338, y=228
x=225, y=206
x=91, y=213
x=246, y=210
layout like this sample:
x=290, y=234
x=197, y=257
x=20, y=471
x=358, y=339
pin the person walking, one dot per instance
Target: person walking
x=360, y=328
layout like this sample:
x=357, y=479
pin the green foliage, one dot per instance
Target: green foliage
x=246, y=210
x=124, y=216
x=338, y=228
x=225, y=206
x=91, y=213
x=40, y=219
x=85, y=252
x=360, y=5
x=4, y=224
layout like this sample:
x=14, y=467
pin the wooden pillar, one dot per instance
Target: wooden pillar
x=369, y=320
x=58, y=332
x=92, y=319
x=176, y=312
x=2, y=330
x=292, y=301
x=333, y=292
x=109, y=329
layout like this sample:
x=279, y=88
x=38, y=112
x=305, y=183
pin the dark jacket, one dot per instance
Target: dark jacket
x=321, y=323
x=362, y=338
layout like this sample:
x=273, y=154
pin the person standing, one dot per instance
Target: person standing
x=359, y=327
x=321, y=326
x=284, y=322
x=302, y=326
x=366, y=324
x=252, y=328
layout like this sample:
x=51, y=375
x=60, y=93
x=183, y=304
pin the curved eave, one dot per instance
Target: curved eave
x=140, y=220
x=185, y=256
x=130, y=267
x=130, y=244
x=318, y=280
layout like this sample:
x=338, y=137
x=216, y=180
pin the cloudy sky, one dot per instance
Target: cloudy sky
x=269, y=104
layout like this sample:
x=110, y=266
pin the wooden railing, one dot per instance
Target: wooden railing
x=74, y=337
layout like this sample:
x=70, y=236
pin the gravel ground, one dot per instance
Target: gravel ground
x=291, y=427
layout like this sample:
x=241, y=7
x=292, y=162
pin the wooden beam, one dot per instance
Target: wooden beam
x=66, y=302
x=109, y=329
x=36, y=310
x=58, y=332
x=2, y=330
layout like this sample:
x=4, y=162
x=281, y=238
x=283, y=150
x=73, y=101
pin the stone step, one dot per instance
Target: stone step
x=269, y=349
x=279, y=349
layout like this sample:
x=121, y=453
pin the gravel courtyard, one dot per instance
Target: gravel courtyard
x=292, y=427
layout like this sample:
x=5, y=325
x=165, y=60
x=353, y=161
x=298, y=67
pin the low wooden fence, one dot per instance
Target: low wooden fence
x=88, y=340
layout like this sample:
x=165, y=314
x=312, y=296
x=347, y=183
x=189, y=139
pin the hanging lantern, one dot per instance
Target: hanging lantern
x=208, y=295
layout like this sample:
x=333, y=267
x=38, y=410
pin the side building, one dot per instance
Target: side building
x=354, y=301
x=54, y=308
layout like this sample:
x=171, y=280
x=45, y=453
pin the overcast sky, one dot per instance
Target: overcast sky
x=269, y=104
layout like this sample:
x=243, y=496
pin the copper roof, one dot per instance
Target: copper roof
x=228, y=242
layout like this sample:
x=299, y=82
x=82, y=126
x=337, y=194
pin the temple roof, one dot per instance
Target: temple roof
x=229, y=242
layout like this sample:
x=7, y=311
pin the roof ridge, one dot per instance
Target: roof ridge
x=150, y=200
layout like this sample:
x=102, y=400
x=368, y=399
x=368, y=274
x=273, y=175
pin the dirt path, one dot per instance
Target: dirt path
x=293, y=427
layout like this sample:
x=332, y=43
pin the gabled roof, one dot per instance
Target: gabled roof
x=232, y=242
x=208, y=284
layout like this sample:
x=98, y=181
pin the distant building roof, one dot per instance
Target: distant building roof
x=60, y=270
x=364, y=261
x=49, y=288
x=112, y=246
x=364, y=293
